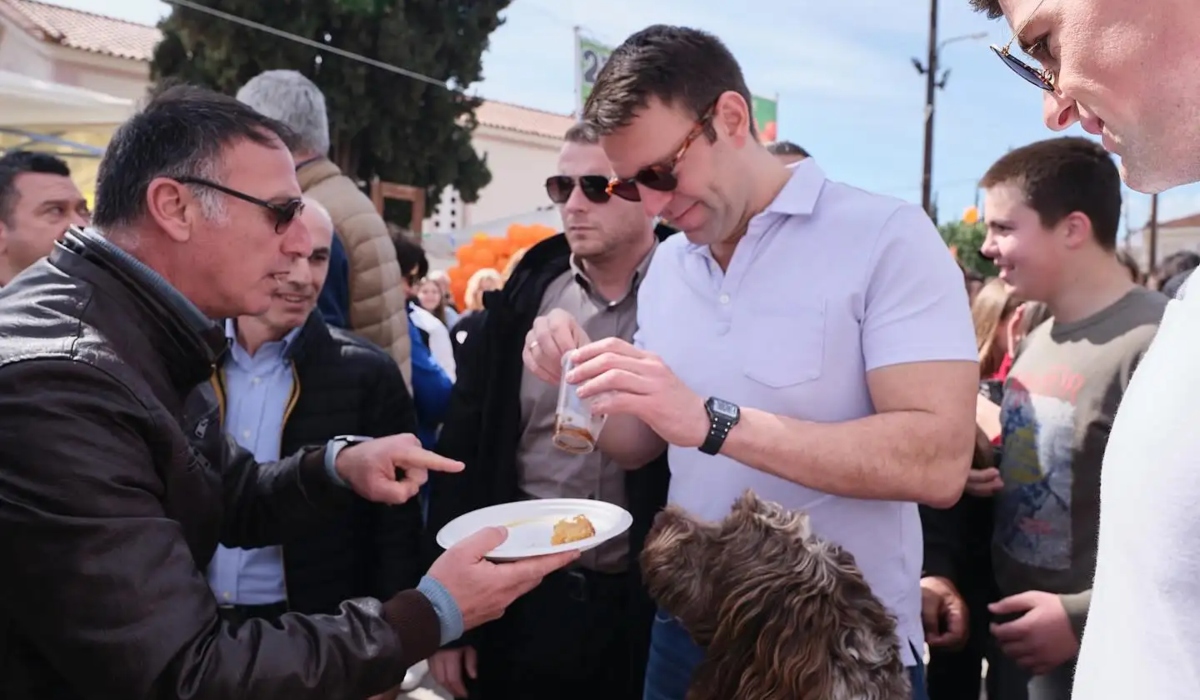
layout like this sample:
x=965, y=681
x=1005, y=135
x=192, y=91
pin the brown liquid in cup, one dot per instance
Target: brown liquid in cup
x=573, y=439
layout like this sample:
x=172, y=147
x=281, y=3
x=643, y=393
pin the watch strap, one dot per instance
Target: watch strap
x=718, y=429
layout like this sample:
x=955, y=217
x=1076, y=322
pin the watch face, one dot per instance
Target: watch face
x=723, y=408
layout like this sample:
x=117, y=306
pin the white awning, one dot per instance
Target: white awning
x=37, y=105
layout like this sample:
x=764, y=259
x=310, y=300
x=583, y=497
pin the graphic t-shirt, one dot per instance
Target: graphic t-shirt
x=1058, y=407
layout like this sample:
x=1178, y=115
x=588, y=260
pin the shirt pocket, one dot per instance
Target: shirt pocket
x=785, y=348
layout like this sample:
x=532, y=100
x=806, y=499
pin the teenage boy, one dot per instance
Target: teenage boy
x=1052, y=210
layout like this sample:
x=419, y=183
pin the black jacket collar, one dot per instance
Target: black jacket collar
x=313, y=336
x=190, y=343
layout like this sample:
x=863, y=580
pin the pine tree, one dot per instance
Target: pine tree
x=381, y=123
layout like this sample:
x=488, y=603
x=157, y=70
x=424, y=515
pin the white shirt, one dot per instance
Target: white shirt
x=829, y=283
x=439, y=338
x=1142, y=638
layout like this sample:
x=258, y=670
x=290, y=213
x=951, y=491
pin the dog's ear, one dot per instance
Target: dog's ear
x=792, y=658
x=675, y=567
x=727, y=660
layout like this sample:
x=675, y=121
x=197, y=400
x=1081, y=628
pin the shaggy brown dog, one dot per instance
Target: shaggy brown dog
x=783, y=614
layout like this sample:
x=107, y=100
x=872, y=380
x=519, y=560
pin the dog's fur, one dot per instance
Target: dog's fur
x=784, y=615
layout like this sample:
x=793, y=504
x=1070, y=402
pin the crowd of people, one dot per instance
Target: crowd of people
x=236, y=405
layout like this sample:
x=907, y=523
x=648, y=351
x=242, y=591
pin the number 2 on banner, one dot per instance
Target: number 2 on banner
x=593, y=63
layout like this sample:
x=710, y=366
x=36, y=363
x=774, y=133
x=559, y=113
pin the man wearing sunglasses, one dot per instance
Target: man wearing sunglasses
x=806, y=340
x=583, y=633
x=1126, y=72
x=118, y=480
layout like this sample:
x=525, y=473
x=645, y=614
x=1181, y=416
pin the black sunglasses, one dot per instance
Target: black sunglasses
x=661, y=176
x=284, y=213
x=594, y=187
x=1038, y=77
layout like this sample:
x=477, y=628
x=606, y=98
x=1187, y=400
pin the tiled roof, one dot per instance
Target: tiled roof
x=510, y=117
x=88, y=31
x=1192, y=221
x=114, y=37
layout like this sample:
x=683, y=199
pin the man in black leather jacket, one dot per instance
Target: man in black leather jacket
x=115, y=488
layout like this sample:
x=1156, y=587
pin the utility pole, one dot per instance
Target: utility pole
x=1153, y=242
x=933, y=83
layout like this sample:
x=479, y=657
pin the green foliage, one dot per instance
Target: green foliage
x=967, y=239
x=381, y=123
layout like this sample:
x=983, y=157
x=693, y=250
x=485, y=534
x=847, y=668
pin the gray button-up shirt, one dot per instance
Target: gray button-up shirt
x=543, y=470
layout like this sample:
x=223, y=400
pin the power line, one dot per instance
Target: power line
x=314, y=44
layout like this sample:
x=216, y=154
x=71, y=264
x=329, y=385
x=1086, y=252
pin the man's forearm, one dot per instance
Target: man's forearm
x=630, y=442
x=266, y=501
x=899, y=455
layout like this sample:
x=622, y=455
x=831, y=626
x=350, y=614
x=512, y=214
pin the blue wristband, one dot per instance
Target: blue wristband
x=450, y=619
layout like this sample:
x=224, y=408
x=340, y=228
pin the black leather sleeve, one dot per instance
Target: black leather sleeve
x=101, y=581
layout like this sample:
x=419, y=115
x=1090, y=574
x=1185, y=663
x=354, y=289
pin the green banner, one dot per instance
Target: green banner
x=766, y=115
x=590, y=57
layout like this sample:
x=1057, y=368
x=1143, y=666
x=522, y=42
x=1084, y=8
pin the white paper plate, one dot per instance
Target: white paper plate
x=531, y=524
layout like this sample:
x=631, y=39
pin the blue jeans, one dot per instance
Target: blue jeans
x=673, y=657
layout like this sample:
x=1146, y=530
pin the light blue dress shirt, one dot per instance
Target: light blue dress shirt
x=258, y=389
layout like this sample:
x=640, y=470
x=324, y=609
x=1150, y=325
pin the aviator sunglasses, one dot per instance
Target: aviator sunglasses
x=1038, y=77
x=661, y=176
x=594, y=187
x=284, y=213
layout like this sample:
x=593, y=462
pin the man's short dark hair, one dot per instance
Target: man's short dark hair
x=182, y=132
x=414, y=264
x=1064, y=175
x=991, y=7
x=16, y=163
x=786, y=148
x=679, y=66
x=582, y=133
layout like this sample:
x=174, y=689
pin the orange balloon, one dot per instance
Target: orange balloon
x=484, y=258
x=532, y=238
x=459, y=293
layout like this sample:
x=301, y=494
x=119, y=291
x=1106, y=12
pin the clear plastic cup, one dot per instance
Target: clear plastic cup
x=576, y=427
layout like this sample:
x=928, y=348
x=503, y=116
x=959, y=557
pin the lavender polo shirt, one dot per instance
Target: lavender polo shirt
x=829, y=283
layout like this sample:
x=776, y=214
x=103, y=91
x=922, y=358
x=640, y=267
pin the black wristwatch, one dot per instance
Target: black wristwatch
x=722, y=416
